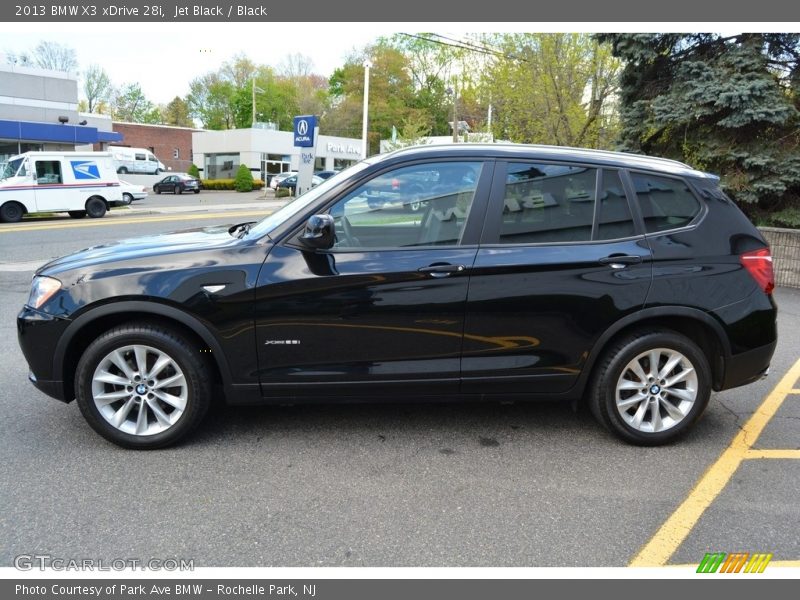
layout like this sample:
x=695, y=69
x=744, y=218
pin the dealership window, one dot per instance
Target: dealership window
x=221, y=166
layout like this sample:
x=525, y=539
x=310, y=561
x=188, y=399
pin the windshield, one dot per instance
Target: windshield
x=267, y=224
x=11, y=167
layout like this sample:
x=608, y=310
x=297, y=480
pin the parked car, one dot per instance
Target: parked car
x=177, y=183
x=131, y=192
x=325, y=174
x=276, y=179
x=290, y=183
x=630, y=283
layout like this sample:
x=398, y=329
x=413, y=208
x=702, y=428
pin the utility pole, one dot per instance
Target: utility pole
x=365, y=117
x=455, y=117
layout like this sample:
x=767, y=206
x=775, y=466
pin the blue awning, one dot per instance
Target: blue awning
x=51, y=132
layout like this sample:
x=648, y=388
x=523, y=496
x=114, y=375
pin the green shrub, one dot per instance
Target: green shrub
x=282, y=192
x=194, y=171
x=244, y=179
x=788, y=217
x=228, y=184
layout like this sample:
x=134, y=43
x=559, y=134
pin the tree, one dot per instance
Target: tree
x=210, y=100
x=177, y=113
x=244, y=179
x=131, y=105
x=96, y=87
x=47, y=55
x=391, y=95
x=724, y=104
x=553, y=89
x=194, y=171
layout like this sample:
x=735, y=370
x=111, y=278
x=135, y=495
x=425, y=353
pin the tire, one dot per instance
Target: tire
x=163, y=414
x=95, y=207
x=177, y=190
x=197, y=191
x=11, y=212
x=77, y=214
x=157, y=190
x=126, y=199
x=158, y=172
x=122, y=170
x=626, y=402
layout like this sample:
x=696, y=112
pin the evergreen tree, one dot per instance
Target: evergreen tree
x=728, y=105
x=244, y=179
x=194, y=171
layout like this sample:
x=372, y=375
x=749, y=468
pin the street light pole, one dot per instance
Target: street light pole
x=364, y=141
x=455, y=118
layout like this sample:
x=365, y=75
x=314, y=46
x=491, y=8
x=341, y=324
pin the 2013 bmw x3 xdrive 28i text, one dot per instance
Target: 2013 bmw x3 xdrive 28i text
x=529, y=272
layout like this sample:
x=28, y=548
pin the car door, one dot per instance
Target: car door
x=383, y=309
x=561, y=260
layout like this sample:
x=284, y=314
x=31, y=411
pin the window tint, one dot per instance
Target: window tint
x=48, y=171
x=421, y=205
x=666, y=203
x=548, y=203
x=139, y=156
x=614, y=218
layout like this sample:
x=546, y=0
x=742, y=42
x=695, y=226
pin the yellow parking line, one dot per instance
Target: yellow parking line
x=677, y=527
x=128, y=220
x=790, y=454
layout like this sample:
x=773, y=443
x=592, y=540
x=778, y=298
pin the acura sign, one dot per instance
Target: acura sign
x=304, y=131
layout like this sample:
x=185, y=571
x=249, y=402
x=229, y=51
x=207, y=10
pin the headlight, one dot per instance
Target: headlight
x=41, y=290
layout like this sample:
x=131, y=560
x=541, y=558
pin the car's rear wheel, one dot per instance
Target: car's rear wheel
x=650, y=387
x=177, y=189
x=127, y=198
x=142, y=386
x=11, y=212
x=77, y=214
x=197, y=191
x=95, y=207
x=122, y=170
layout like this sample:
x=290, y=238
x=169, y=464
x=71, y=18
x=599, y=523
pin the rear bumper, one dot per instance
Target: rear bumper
x=747, y=367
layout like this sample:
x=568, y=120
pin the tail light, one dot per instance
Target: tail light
x=759, y=264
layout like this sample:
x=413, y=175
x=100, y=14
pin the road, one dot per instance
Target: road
x=377, y=484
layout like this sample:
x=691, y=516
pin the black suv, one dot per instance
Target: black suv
x=526, y=272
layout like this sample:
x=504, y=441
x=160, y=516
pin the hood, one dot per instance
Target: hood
x=151, y=246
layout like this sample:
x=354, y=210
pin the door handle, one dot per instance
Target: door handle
x=442, y=270
x=620, y=261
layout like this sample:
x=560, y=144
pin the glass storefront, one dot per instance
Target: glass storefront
x=272, y=164
x=221, y=166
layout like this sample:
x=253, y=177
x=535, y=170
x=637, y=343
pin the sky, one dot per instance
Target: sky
x=164, y=58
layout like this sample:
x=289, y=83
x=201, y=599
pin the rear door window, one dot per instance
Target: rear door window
x=665, y=202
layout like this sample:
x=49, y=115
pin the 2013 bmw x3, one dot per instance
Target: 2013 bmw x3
x=523, y=271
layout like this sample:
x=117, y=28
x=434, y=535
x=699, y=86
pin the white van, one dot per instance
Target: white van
x=79, y=183
x=136, y=160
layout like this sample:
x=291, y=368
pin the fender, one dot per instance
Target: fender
x=149, y=307
x=643, y=315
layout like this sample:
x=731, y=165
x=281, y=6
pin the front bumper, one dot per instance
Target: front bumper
x=38, y=334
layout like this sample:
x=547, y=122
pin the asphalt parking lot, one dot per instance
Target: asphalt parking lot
x=526, y=485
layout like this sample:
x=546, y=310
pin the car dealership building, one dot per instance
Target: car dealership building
x=39, y=111
x=266, y=152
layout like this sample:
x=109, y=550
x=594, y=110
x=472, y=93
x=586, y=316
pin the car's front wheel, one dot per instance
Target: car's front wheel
x=650, y=387
x=142, y=386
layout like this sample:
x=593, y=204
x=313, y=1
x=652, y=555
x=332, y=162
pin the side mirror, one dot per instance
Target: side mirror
x=319, y=233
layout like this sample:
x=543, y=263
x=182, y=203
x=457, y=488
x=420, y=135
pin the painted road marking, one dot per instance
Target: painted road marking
x=677, y=527
x=128, y=220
